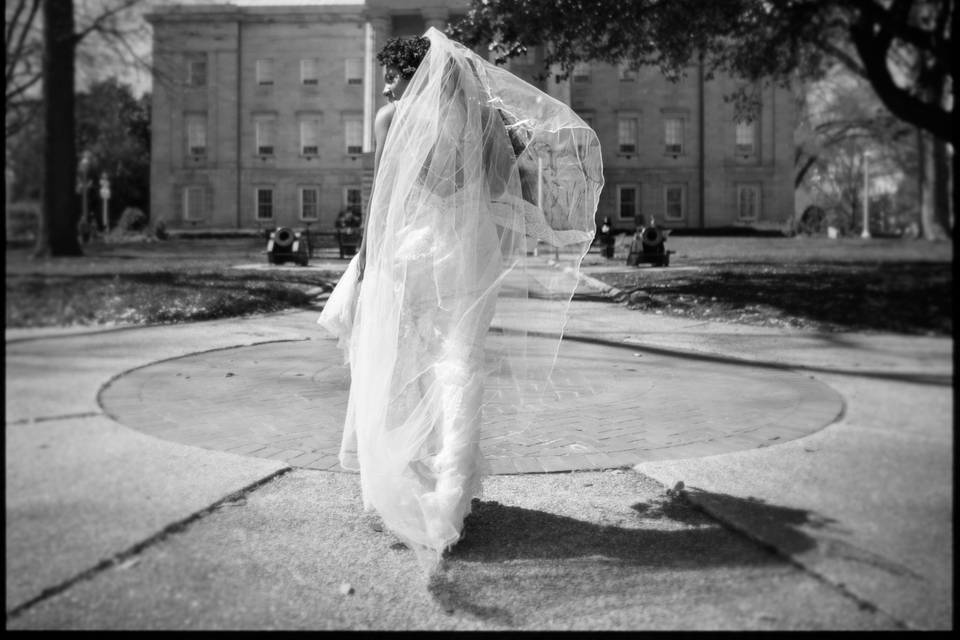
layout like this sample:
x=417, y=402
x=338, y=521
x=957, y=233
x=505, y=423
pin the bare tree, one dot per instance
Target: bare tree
x=46, y=53
x=841, y=121
x=22, y=55
x=107, y=34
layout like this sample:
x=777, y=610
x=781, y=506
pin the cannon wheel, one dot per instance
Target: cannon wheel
x=284, y=237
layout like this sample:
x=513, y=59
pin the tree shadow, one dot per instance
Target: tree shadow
x=161, y=295
x=669, y=534
x=935, y=379
x=497, y=532
x=910, y=297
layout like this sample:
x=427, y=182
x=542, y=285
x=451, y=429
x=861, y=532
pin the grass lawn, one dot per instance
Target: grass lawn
x=831, y=285
x=852, y=284
x=146, y=283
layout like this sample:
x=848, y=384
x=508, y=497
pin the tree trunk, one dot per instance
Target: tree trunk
x=942, y=186
x=58, y=233
x=927, y=177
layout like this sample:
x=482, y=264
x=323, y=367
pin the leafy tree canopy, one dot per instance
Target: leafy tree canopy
x=114, y=126
x=902, y=47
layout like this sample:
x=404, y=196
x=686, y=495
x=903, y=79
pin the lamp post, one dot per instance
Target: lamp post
x=105, y=196
x=866, y=195
x=84, y=183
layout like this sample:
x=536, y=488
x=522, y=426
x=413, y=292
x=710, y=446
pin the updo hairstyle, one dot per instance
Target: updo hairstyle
x=404, y=54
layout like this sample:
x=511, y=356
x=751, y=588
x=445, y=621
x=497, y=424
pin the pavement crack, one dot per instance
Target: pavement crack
x=65, y=416
x=237, y=498
x=732, y=526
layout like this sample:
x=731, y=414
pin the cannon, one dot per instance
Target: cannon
x=285, y=244
x=648, y=247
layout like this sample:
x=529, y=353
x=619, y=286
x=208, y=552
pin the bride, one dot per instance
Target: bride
x=473, y=167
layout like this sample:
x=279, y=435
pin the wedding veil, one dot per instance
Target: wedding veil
x=499, y=150
x=481, y=211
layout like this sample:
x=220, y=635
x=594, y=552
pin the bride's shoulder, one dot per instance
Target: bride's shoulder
x=385, y=113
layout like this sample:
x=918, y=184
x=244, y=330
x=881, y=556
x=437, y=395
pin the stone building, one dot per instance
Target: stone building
x=263, y=116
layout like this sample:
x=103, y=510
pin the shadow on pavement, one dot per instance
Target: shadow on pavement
x=781, y=524
x=892, y=376
x=512, y=559
x=495, y=532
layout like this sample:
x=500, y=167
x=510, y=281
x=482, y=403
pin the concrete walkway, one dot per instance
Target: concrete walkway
x=147, y=488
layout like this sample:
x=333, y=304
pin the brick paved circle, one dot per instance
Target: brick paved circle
x=615, y=406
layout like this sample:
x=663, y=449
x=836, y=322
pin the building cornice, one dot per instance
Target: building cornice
x=312, y=13
x=229, y=13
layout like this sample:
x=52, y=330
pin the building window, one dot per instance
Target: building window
x=196, y=126
x=193, y=205
x=625, y=73
x=308, y=72
x=197, y=71
x=673, y=135
x=748, y=201
x=266, y=132
x=309, y=203
x=583, y=137
x=310, y=136
x=627, y=201
x=581, y=72
x=627, y=134
x=675, y=201
x=352, y=200
x=264, y=202
x=354, y=70
x=265, y=72
x=353, y=133
x=746, y=138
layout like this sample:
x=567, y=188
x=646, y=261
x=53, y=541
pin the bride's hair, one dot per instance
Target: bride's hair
x=404, y=54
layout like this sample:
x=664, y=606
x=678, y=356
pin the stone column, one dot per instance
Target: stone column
x=377, y=32
x=436, y=17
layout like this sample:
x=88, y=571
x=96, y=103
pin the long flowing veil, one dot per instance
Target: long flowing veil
x=482, y=208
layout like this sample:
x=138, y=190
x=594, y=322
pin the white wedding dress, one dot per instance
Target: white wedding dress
x=476, y=168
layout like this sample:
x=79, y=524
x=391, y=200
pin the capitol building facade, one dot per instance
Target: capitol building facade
x=262, y=116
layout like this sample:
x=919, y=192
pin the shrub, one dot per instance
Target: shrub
x=23, y=222
x=813, y=221
x=840, y=220
x=132, y=219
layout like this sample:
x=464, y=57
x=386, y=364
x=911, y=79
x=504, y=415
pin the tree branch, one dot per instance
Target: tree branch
x=895, y=19
x=872, y=48
x=19, y=116
x=98, y=22
x=12, y=23
x=19, y=90
x=16, y=55
x=802, y=172
x=845, y=58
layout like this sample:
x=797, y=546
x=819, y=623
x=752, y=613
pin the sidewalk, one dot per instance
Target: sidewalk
x=123, y=512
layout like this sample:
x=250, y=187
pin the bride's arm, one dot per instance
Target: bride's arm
x=380, y=127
